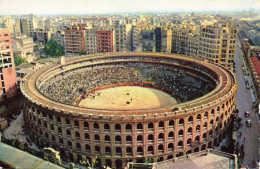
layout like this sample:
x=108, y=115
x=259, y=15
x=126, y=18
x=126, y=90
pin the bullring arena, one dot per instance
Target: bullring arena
x=128, y=106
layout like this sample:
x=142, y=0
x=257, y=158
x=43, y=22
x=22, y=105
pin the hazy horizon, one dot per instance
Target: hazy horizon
x=56, y=7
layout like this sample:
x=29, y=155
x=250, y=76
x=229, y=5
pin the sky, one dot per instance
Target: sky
x=17, y=7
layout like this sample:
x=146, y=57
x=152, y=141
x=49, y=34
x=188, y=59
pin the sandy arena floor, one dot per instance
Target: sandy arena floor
x=128, y=98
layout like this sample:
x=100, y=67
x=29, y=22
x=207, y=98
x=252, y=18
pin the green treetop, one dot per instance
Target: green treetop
x=53, y=49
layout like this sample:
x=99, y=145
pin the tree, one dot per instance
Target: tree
x=53, y=49
x=18, y=59
x=91, y=164
x=82, y=52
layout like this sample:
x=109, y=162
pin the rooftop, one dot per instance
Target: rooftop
x=20, y=159
x=208, y=159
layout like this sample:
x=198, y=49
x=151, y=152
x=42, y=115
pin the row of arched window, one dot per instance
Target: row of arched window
x=139, y=126
x=129, y=127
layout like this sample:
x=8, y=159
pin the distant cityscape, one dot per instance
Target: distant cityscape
x=52, y=64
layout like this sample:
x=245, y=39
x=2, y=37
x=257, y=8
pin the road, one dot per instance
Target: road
x=244, y=102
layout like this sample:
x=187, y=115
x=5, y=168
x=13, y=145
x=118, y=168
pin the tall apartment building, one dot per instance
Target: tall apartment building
x=166, y=40
x=9, y=24
x=217, y=43
x=25, y=27
x=184, y=41
x=136, y=38
x=123, y=37
x=163, y=39
x=75, y=38
x=41, y=37
x=8, y=85
x=24, y=46
x=91, y=40
x=158, y=39
x=148, y=40
x=28, y=25
x=59, y=36
x=17, y=26
x=105, y=39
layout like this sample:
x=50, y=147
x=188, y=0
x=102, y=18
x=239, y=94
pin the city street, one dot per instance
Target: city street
x=244, y=102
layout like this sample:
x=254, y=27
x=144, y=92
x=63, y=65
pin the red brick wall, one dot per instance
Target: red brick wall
x=104, y=41
x=7, y=39
x=10, y=81
x=75, y=42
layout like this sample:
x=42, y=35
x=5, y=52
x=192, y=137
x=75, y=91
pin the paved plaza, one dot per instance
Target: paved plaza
x=16, y=131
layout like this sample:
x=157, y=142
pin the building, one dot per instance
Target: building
x=8, y=85
x=184, y=41
x=25, y=27
x=24, y=46
x=41, y=37
x=59, y=36
x=17, y=26
x=28, y=25
x=136, y=39
x=158, y=39
x=217, y=43
x=11, y=157
x=105, y=39
x=117, y=135
x=201, y=160
x=148, y=40
x=75, y=38
x=9, y=24
x=166, y=40
x=251, y=53
x=91, y=40
x=123, y=37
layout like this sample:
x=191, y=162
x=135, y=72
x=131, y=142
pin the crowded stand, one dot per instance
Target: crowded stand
x=66, y=87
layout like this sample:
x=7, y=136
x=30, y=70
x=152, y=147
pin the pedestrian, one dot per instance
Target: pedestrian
x=244, y=138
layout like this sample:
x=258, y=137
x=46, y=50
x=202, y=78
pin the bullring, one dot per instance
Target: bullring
x=56, y=116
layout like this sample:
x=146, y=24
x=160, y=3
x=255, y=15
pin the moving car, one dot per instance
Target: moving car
x=247, y=114
x=248, y=123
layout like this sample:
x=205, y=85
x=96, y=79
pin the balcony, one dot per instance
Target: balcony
x=128, y=142
x=108, y=153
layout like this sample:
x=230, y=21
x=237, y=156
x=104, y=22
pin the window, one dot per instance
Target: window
x=118, y=140
x=107, y=151
x=117, y=128
x=139, y=127
x=128, y=128
x=139, y=139
x=180, y=133
x=128, y=140
x=106, y=127
x=171, y=124
x=96, y=127
x=161, y=125
x=76, y=124
x=86, y=137
x=181, y=122
x=96, y=138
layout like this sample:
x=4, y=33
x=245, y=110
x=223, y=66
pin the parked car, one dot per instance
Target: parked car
x=248, y=123
x=247, y=114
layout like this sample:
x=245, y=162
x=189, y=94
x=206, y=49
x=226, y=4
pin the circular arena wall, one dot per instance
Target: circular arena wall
x=119, y=135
